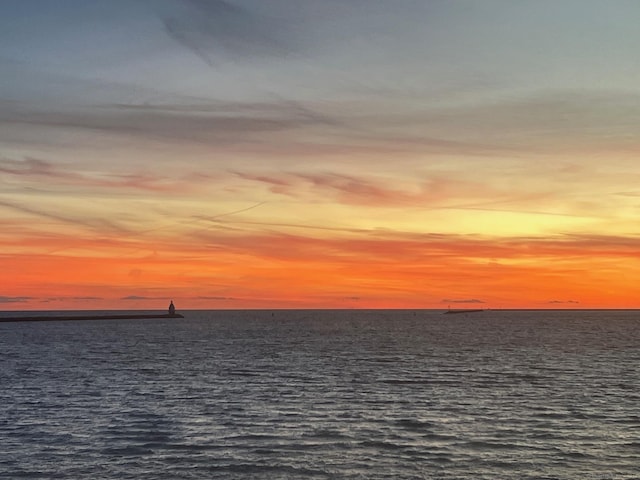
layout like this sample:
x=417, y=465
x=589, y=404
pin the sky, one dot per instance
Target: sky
x=319, y=154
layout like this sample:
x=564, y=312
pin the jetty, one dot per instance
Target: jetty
x=66, y=316
x=59, y=318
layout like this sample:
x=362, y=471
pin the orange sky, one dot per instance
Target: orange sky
x=231, y=263
x=332, y=156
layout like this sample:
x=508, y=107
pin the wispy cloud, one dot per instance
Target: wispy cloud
x=250, y=125
x=50, y=172
x=462, y=300
x=141, y=297
x=29, y=166
x=213, y=29
x=71, y=299
x=101, y=224
x=412, y=249
x=632, y=194
x=533, y=124
x=360, y=190
x=207, y=297
x=540, y=121
x=430, y=191
x=5, y=299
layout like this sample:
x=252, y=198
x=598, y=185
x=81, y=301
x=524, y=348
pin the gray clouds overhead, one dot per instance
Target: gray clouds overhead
x=215, y=28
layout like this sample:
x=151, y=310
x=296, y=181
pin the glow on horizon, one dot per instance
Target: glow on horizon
x=275, y=154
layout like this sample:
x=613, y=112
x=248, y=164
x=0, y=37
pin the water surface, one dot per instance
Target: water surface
x=323, y=394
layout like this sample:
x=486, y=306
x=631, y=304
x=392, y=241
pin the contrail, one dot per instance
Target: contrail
x=237, y=211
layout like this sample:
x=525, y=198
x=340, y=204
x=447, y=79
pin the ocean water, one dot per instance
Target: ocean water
x=323, y=395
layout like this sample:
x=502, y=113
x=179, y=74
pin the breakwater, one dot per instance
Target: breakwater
x=58, y=318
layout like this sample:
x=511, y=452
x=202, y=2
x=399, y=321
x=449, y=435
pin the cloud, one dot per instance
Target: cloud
x=356, y=190
x=464, y=300
x=611, y=244
x=346, y=188
x=562, y=301
x=139, y=297
x=211, y=28
x=26, y=167
x=632, y=194
x=204, y=297
x=217, y=219
x=92, y=222
x=5, y=299
x=435, y=191
x=281, y=184
x=64, y=299
x=45, y=171
x=450, y=255
x=247, y=125
x=538, y=122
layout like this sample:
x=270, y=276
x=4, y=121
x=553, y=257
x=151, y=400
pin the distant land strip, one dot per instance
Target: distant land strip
x=464, y=310
x=58, y=318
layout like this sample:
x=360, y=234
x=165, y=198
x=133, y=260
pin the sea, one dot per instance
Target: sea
x=323, y=394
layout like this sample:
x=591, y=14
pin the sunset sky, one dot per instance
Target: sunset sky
x=319, y=154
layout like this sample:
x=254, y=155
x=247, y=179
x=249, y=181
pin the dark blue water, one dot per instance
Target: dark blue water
x=323, y=395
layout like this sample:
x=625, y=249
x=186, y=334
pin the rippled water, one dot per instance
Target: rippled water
x=323, y=394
